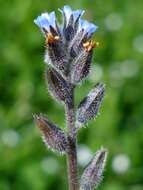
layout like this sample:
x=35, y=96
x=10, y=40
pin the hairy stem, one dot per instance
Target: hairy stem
x=72, y=152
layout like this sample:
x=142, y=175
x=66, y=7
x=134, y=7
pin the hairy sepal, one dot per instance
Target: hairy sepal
x=93, y=174
x=53, y=137
x=76, y=44
x=59, y=87
x=89, y=106
x=81, y=66
x=55, y=56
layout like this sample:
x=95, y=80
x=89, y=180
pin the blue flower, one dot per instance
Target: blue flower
x=68, y=12
x=89, y=28
x=72, y=23
x=45, y=20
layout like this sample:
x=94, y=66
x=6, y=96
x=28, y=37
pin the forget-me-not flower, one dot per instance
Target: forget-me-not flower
x=69, y=42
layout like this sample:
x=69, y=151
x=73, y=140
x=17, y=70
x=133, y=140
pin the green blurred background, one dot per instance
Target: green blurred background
x=25, y=163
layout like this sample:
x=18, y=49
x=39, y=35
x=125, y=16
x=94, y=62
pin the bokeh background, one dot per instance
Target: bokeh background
x=25, y=163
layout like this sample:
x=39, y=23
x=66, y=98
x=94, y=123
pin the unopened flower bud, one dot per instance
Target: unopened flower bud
x=92, y=175
x=59, y=87
x=81, y=66
x=90, y=105
x=52, y=136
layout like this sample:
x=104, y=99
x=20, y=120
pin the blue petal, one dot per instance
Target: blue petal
x=45, y=20
x=67, y=11
x=42, y=22
x=77, y=14
x=52, y=19
x=87, y=26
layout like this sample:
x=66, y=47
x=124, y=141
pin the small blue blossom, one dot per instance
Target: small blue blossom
x=88, y=27
x=71, y=21
x=67, y=12
x=45, y=20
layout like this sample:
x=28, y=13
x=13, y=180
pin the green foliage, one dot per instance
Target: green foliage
x=24, y=161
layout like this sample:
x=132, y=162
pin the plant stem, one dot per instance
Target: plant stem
x=72, y=152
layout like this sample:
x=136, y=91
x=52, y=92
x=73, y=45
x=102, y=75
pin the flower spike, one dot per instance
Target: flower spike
x=69, y=51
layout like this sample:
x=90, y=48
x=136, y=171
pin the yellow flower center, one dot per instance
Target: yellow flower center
x=89, y=45
x=51, y=39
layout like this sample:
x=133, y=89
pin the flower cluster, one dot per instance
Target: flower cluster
x=69, y=51
x=68, y=47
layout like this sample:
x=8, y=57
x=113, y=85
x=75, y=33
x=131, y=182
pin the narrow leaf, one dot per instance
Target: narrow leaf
x=59, y=87
x=92, y=175
x=90, y=105
x=52, y=136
